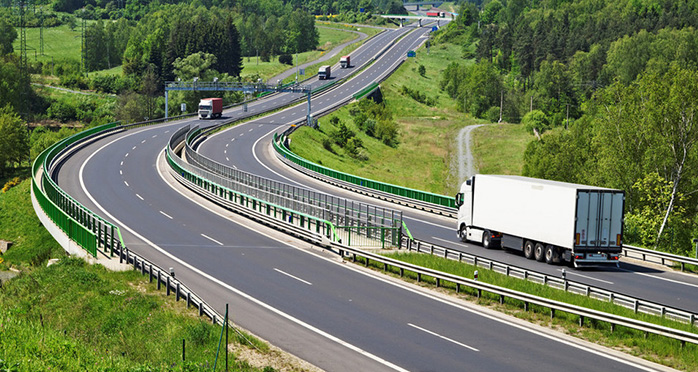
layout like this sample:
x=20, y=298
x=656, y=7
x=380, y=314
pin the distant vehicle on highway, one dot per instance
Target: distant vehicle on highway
x=345, y=62
x=549, y=221
x=324, y=72
x=210, y=108
x=436, y=14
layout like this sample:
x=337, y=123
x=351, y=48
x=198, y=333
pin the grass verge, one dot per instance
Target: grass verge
x=329, y=38
x=72, y=316
x=424, y=158
x=651, y=347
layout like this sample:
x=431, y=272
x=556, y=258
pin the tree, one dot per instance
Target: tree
x=7, y=37
x=14, y=139
x=195, y=65
x=535, y=121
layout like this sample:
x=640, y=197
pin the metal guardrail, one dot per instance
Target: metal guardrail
x=167, y=278
x=663, y=258
x=339, y=211
x=260, y=212
x=440, y=278
x=362, y=224
x=440, y=204
x=637, y=305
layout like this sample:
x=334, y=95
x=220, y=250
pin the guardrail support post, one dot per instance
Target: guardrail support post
x=159, y=280
x=150, y=273
x=438, y=282
x=188, y=299
x=402, y=273
x=177, y=293
x=501, y=299
x=552, y=313
x=419, y=277
x=168, y=285
x=581, y=321
x=613, y=327
x=479, y=293
x=457, y=287
x=525, y=306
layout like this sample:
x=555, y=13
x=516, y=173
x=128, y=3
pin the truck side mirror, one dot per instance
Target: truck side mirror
x=459, y=199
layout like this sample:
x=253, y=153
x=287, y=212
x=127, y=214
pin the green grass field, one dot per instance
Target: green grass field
x=499, y=148
x=422, y=160
x=329, y=38
x=59, y=42
x=73, y=316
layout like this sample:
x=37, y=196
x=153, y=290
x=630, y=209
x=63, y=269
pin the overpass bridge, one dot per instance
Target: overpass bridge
x=402, y=17
x=418, y=3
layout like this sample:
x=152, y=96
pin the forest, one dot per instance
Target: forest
x=610, y=89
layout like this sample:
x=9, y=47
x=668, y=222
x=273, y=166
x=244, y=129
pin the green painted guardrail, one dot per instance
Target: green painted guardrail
x=81, y=225
x=363, y=92
x=442, y=200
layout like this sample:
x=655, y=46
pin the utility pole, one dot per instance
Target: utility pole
x=501, y=104
x=531, y=109
x=82, y=47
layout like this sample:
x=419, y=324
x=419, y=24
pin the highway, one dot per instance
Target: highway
x=303, y=300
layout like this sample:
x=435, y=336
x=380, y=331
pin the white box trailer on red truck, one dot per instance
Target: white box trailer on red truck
x=548, y=220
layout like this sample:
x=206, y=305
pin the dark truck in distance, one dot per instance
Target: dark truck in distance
x=548, y=220
x=324, y=72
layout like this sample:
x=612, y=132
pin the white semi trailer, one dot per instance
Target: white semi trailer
x=548, y=220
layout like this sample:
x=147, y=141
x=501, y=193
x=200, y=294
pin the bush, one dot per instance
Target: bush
x=286, y=59
x=327, y=144
x=492, y=114
x=537, y=120
x=74, y=81
x=61, y=111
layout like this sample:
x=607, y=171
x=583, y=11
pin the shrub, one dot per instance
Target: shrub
x=492, y=114
x=286, y=59
x=535, y=119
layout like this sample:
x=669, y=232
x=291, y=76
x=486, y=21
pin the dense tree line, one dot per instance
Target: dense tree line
x=609, y=86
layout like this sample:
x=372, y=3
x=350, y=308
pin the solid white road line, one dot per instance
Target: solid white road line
x=211, y=239
x=139, y=197
x=660, y=278
x=292, y=276
x=166, y=215
x=442, y=337
x=586, y=276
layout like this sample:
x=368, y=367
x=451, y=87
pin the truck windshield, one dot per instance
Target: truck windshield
x=203, y=107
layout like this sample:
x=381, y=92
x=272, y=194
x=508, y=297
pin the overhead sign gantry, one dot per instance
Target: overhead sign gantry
x=246, y=87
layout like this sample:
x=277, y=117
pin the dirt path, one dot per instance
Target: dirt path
x=466, y=162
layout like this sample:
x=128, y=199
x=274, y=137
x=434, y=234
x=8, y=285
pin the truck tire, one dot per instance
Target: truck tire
x=462, y=233
x=552, y=255
x=487, y=239
x=528, y=249
x=539, y=252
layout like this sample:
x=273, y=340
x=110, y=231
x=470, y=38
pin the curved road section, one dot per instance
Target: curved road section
x=337, y=316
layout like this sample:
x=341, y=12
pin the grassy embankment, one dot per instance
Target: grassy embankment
x=329, y=38
x=72, y=316
x=425, y=157
x=337, y=27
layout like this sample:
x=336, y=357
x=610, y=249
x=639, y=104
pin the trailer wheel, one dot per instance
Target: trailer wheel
x=487, y=239
x=528, y=249
x=552, y=255
x=539, y=252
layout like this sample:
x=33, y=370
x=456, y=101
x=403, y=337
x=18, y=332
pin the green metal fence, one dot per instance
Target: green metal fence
x=362, y=225
x=81, y=225
x=442, y=200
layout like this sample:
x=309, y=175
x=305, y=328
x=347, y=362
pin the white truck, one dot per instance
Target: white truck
x=548, y=220
x=324, y=72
